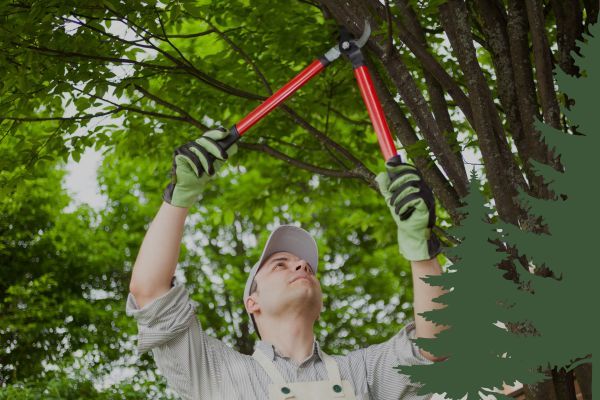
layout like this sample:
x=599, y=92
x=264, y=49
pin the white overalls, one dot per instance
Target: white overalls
x=333, y=388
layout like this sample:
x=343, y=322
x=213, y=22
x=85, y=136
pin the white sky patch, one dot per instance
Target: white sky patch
x=81, y=181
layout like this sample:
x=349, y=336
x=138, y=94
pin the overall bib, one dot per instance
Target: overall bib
x=333, y=388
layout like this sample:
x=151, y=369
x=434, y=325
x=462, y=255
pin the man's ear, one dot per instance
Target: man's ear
x=252, y=305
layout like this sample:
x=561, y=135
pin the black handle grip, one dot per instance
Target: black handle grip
x=233, y=137
x=395, y=161
x=225, y=144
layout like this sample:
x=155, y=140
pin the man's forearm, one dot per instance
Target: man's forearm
x=157, y=259
x=423, y=299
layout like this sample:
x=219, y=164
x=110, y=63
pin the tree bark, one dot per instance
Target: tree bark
x=416, y=103
x=583, y=374
x=569, y=25
x=525, y=86
x=435, y=90
x=541, y=391
x=499, y=168
x=494, y=27
x=591, y=10
x=543, y=63
x=564, y=384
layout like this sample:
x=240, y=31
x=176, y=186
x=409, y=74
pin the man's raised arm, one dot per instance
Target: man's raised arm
x=193, y=164
x=412, y=205
x=156, y=262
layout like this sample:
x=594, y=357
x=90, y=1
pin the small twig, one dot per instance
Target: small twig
x=74, y=118
x=173, y=107
x=133, y=109
x=7, y=130
x=297, y=163
x=278, y=140
x=244, y=55
x=390, y=40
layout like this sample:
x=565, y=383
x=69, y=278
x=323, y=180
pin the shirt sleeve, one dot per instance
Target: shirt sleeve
x=183, y=352
x=385, y=382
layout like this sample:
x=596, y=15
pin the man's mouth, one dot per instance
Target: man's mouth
x=298, y=278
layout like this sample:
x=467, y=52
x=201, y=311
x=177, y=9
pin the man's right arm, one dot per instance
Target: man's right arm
x=157, y=259
x=193, y=164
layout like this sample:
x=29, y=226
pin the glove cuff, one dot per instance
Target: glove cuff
x=178, y=198
x=424, y=250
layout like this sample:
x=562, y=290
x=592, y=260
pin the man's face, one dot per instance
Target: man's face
x=286, y=282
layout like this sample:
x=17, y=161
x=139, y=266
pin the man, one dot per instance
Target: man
x=283, y=297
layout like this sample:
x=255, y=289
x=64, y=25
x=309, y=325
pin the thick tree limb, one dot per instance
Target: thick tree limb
x=408, y=18
x=453, y=15
x=531, y=145
x=431, y=65
x=569, y=25
x=494, y=26
x=591, y=10
x=349, y=17
x=413, y=98
x=411, y=95
x=434, y=178
x=543, y=63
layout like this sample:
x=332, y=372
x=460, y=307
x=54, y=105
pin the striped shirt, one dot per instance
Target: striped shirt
x=198, y=366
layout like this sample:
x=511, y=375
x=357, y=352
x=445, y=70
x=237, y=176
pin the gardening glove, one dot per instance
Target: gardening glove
x=413, y=208
x=193, y=166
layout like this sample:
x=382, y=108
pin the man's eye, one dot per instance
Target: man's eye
x=279, y=265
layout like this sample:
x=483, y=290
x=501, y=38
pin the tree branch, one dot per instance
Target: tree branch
x=365, y=173
x=297, y=163
x=74, y=118
x=173, y=107
x=244, y=55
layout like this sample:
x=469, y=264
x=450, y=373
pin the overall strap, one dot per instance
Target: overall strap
x=333, y=373
x=269, y=367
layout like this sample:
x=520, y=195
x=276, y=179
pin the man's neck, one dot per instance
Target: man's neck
x=292, y=337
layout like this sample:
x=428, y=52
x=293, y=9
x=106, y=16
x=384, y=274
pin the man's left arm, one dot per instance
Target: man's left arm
x=423, y=301
x=412, y=206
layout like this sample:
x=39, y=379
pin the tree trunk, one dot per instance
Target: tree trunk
x=583, y=374
x=541, y=391
x=564, y=384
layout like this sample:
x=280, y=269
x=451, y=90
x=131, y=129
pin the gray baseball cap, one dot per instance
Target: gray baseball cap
x=288, y=238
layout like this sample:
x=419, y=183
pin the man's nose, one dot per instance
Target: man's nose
x=304, y=265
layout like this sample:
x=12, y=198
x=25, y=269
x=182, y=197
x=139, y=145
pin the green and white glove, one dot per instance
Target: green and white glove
x=412, y=205
x=193, y=166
